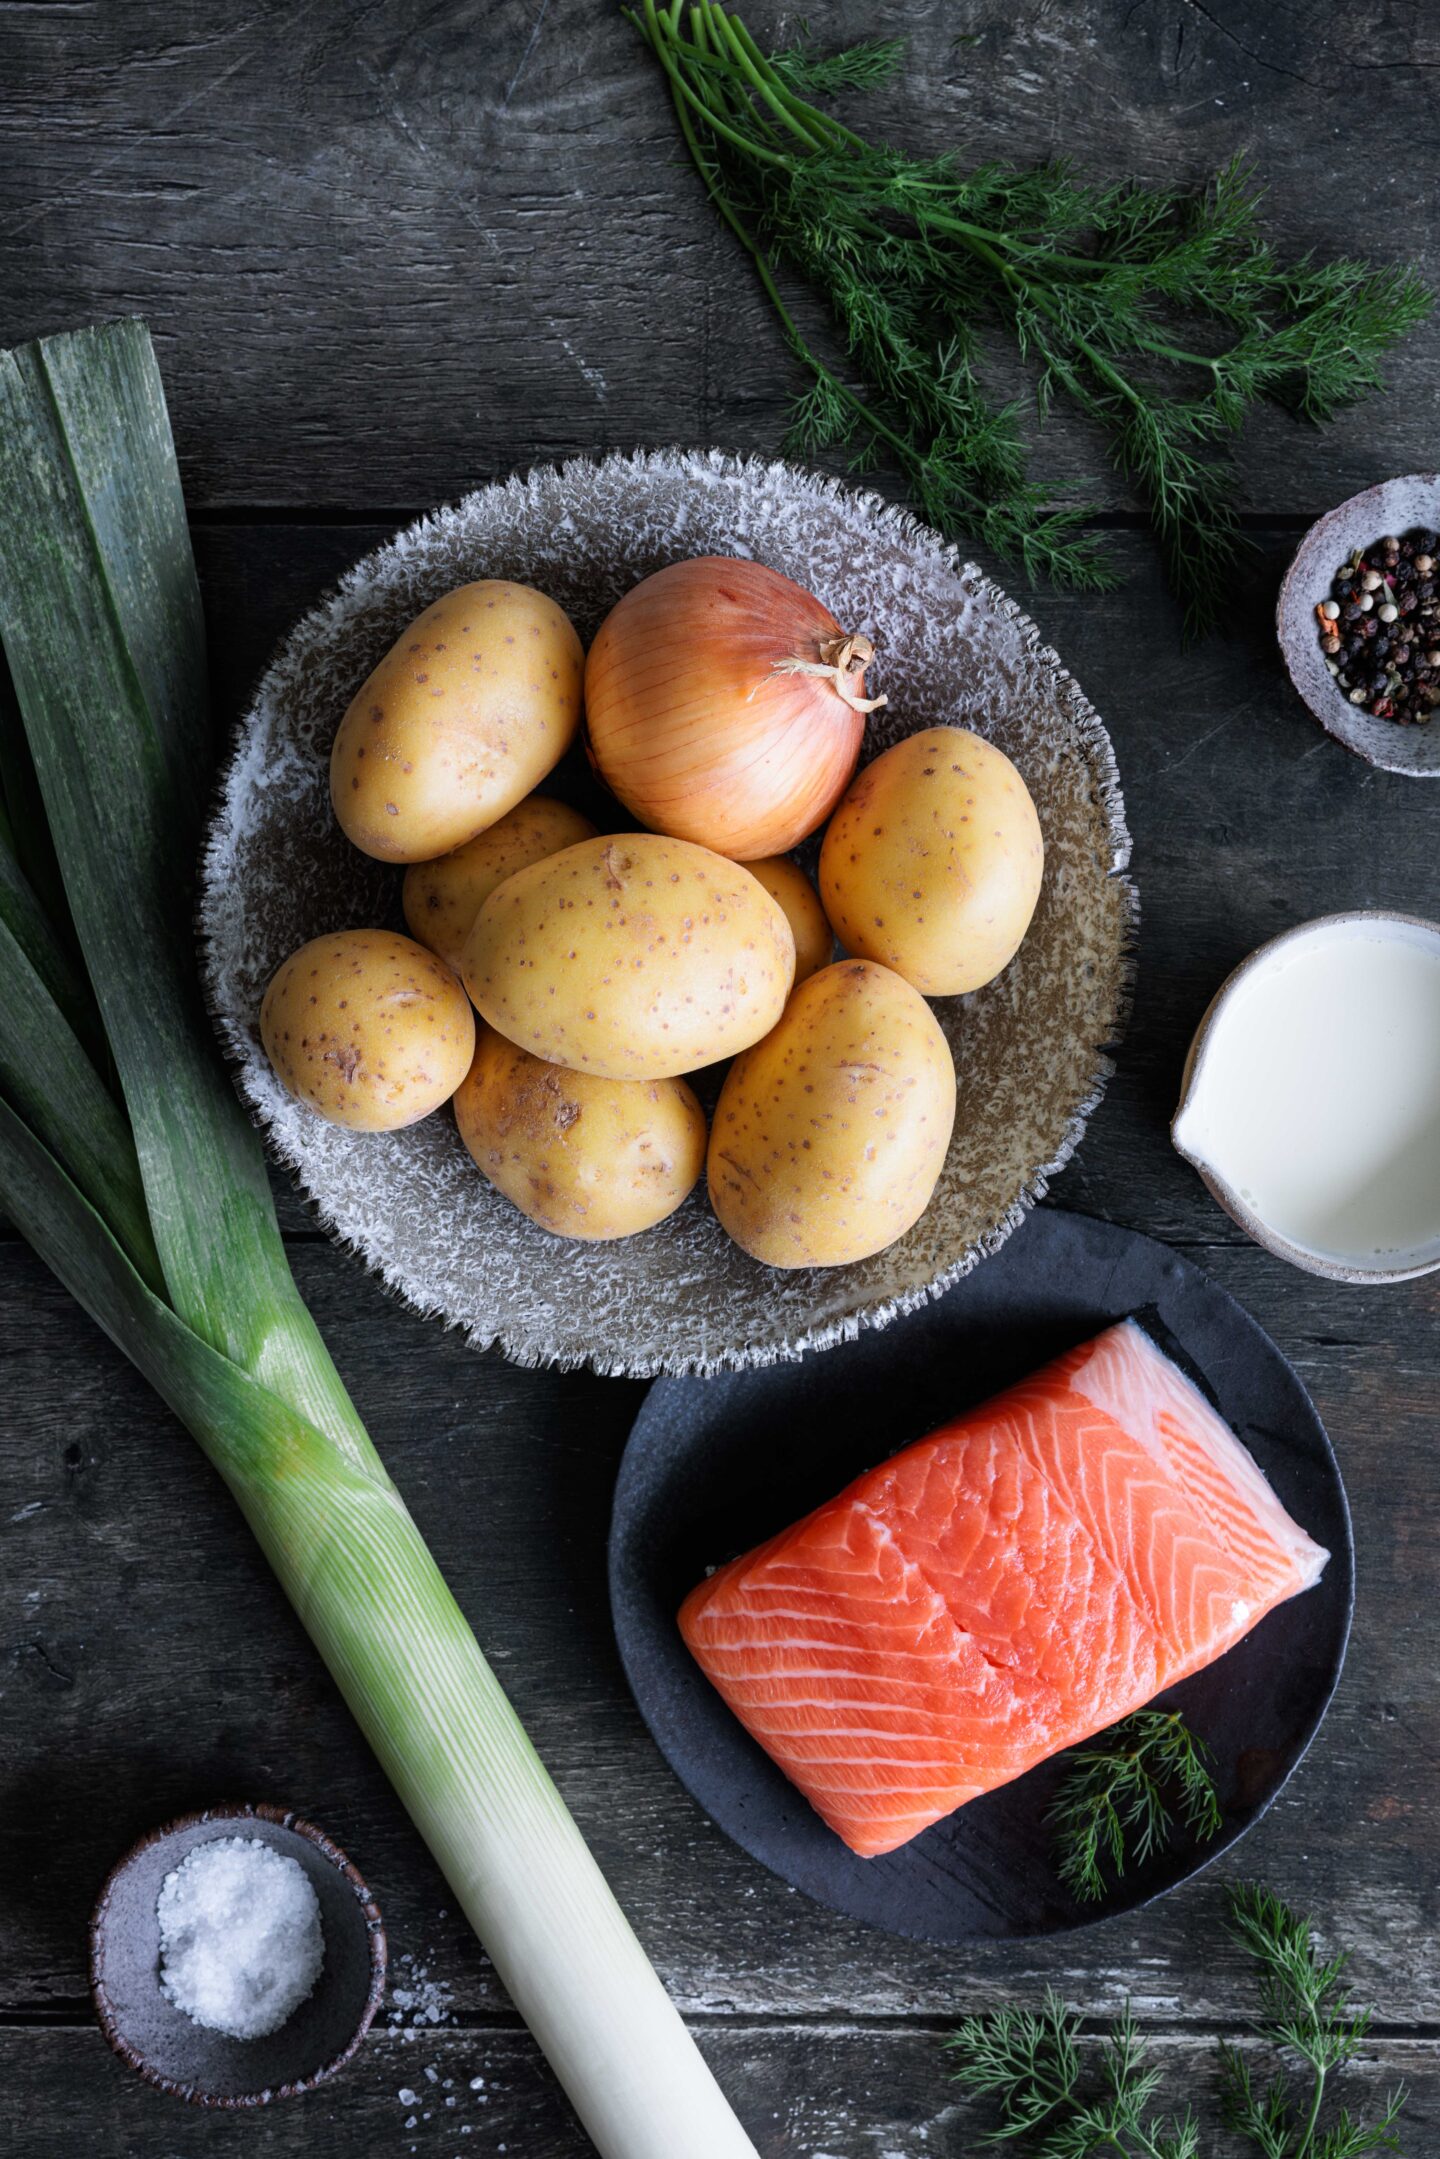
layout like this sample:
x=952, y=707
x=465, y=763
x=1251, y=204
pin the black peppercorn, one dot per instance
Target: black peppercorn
x=1381, y=636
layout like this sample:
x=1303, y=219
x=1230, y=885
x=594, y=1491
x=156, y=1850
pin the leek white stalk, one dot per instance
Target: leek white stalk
x=165, y=1231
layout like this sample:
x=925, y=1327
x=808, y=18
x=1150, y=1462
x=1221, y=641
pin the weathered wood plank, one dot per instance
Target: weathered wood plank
x=814, y=2091
x=387, y=257
x=151, y=1666
x=131, y=1548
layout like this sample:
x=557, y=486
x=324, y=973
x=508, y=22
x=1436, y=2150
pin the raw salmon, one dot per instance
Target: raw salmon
x=1014, y=1583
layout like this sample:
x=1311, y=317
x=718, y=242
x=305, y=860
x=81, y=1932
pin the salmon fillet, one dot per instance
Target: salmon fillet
x=1014, y=1583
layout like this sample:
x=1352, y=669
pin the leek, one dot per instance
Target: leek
x=126, y=1160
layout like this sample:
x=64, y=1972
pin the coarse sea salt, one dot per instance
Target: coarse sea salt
x=241, y=1943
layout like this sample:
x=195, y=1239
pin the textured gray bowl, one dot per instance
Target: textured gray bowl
x=1031, y=1049
x=167, y=2047
x=1395, y=506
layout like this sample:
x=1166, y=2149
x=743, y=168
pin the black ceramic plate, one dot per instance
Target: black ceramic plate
x=714, y=1465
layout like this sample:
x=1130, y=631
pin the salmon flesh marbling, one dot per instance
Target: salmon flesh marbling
x=1015, y=1582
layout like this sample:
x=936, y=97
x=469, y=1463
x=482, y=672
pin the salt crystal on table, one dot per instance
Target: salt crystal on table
x=241, y=1944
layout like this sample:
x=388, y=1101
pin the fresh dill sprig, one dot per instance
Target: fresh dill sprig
x=1032, y=2064
x=1070, y=2097
x=1303, y=2011
x=1162, y=314
x=1115, y=1801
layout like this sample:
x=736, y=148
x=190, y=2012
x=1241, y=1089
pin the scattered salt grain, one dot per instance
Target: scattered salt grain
x=405, y=2096
x=421, y=1999
x=477, y=2084
x=241, y=1944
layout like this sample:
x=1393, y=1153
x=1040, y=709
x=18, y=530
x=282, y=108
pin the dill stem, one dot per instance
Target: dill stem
x=1312, y=2118
x=655, y=38
x=1163, y=351
x=898, y=443
x=721, y=29
x=835, y=130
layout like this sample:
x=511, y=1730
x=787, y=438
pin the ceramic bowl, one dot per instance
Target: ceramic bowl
x=1396, y=506
x=1333, y=1270
x=1032, y=1049
x=177, y=2055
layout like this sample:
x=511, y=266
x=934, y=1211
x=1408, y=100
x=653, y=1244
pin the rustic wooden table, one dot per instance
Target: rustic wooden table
x=390, y=251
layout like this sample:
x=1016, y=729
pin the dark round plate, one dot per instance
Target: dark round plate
x=714, y=1465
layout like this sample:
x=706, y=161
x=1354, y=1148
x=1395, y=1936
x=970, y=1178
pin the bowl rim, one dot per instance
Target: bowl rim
x=201, y=1818
x=830, y=1318
x=1330, y=715
x=1218, y=1187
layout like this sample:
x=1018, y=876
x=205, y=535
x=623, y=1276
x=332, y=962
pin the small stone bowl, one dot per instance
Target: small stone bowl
x=1396, y=506
x=166, y=2046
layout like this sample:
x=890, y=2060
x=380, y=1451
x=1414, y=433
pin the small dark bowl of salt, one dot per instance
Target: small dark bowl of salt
x=236, y=1957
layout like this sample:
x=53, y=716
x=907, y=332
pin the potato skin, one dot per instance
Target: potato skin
x=933, y=862
x=442, y=898
x=634, y=957
x=463, y=717
x=584, y=1157
x=792, y=890
x=369, y=1028
x=830, y=1134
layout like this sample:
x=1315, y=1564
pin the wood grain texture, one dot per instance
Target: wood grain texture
x=390, y=252
x=135, y=1607
x=817, y=2090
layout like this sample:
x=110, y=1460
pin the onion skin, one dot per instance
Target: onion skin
x=690, y=723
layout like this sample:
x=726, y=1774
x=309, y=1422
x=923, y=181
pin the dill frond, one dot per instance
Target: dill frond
x=865, y=66
x=1162, y=314
x=1062, y=2096
x=1304, y=2012
x=1115, y=1803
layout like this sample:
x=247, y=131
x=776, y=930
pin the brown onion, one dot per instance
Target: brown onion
x=726, y=706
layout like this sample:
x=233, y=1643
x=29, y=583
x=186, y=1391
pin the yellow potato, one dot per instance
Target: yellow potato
x=583, y=1157
x=442, y=898
x=933, y=861
x=368, y=1028
x=787, y=883
x=635, y=957
x=464, y=716
x=829, y=1135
